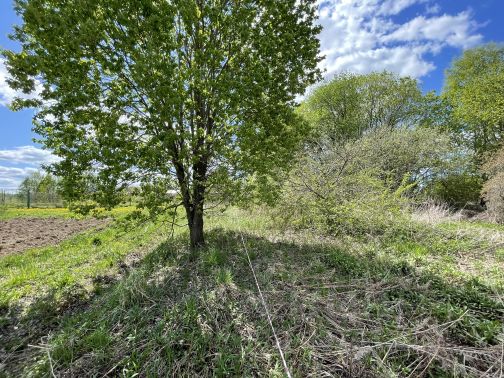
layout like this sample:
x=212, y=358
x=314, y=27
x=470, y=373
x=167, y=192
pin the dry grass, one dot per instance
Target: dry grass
x=341, y=308
x=432, y=212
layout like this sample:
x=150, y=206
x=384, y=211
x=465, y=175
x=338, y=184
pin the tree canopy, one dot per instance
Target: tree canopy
x=350, y=104
x=474, y=88
x=190, y=94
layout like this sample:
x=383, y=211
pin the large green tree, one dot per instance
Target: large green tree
x=351, y=104
x=474, y=88
x=196, y=93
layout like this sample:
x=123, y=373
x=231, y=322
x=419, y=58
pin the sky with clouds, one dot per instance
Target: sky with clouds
x=418, y=38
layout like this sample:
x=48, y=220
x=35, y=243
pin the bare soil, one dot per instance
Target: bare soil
x=19, y=234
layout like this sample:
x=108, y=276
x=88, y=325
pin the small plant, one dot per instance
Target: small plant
x=224, y=277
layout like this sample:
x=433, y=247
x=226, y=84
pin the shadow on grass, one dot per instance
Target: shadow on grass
x=336, y=313
x=26, y=325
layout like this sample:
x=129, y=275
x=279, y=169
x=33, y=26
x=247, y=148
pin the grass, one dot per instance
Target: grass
x=54, y=268
x=40, y=284
x=10, y=213
x=424, y=303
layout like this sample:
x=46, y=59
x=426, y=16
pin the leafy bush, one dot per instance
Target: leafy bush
x=364, y=186
x=86, y=207
x=422, y=154
x=331, y=194
x=456, y=189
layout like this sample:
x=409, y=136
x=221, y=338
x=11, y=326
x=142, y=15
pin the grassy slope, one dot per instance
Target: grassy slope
x=425, y=303
x=40, y=285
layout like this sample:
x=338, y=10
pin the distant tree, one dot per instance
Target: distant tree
x=474, y=88
x=49, y=184
x=39, y=183
x=30, y=184
x=194, y=93
x=349, y=105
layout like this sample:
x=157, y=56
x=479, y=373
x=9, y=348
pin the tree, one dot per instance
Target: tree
x=350, y=104
x=474, y=88
x=193, y=93
x=39, y=184
x=30, y=184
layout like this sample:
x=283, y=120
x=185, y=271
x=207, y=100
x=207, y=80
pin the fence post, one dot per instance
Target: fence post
x=28, y=199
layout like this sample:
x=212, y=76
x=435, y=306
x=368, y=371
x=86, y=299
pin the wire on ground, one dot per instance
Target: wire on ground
x=284, y=362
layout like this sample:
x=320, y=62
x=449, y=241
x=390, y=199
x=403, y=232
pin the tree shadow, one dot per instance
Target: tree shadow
x=175, y=313
x=24, y=327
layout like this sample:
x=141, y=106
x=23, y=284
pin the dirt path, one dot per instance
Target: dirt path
x=19, y=234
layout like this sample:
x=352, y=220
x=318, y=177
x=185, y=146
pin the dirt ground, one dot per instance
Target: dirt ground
x=19, y=234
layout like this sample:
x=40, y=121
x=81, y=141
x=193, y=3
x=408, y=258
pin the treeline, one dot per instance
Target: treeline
x=39, y=183
x=378, y=147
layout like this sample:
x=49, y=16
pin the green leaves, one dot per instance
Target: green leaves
x=179, y=90
x=350, y=105
x=475, y=89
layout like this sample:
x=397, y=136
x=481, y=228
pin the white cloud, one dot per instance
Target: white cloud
x=7, y=94
x=393, y=7
x=452, y=30
x=21, y=162
x=11, y=177
x=362, y=36
x=27, y=155
x=432, y=9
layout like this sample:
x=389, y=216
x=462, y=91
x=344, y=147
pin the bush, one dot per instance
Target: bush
x=422, y=154
x=329, y=190
x=363, y=186
x=458, y=190
x=86, y=207
x=358, y=205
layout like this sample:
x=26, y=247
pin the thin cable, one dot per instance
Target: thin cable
x=266, y=309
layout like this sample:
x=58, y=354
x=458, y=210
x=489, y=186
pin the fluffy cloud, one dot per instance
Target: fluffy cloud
x=7, y=94
x=362, y=36
x=27, y=155
x=21, y=162
x=11, y=177
x=452, y=30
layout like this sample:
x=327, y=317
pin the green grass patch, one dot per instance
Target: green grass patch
x=9, y=213
x=391, y=306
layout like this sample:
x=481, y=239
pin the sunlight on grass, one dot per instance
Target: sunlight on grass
x=37, y=271
x=397, y=299
x=10, y=213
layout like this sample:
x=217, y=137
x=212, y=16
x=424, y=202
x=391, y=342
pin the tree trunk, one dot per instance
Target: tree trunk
x=196, y=227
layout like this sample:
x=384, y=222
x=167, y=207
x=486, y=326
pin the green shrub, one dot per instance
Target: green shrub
x=456, y=190
x=357, y=204
x=359, y=187
x=87, y=207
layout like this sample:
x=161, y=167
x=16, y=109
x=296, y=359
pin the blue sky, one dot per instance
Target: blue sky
x=410, y=37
